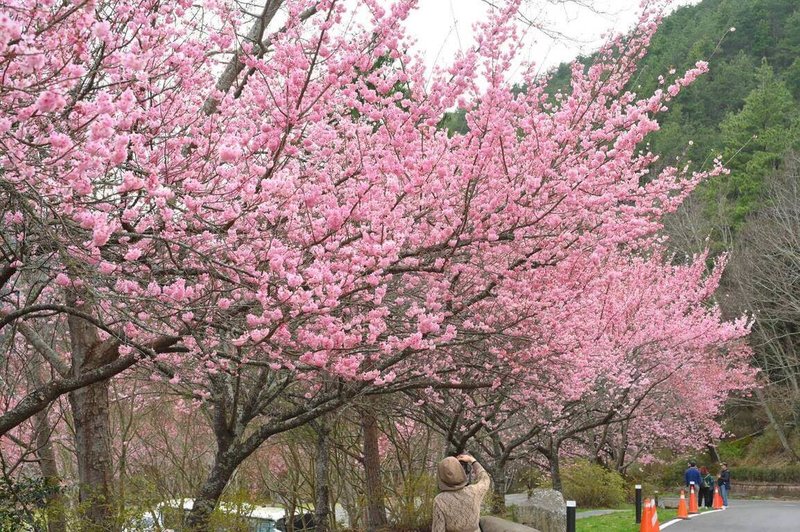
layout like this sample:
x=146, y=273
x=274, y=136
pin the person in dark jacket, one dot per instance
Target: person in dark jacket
x=693, y=476
x=724, y=482
x=706, y=496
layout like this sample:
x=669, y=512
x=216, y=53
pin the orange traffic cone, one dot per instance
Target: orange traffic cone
x=716, y=504
x=683, y=512
x=693, y=509
x=654, y=526
x=647, y=516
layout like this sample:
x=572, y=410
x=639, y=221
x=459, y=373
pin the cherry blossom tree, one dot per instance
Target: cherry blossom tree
x=273, y=221
x=611, y=369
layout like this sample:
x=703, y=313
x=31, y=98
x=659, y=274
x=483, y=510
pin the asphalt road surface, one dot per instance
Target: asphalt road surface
x=746, y=516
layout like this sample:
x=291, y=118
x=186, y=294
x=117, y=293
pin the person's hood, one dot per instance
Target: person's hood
x=451, y=475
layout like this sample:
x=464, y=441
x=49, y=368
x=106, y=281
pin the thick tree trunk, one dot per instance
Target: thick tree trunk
x=498, y=474
x=376, y=511
x=555, y=468
x=321, y=485
x=712, y=452
x=225, y=464
x=90, y=414
x=93, y=449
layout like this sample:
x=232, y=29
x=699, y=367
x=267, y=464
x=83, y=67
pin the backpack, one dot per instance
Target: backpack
x=708, y=481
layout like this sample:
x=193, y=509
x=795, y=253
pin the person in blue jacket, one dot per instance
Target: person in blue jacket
x=692, y=475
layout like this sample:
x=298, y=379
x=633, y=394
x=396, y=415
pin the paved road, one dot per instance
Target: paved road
x=746, y=516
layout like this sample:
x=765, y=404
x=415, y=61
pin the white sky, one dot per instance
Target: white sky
x=442, y=27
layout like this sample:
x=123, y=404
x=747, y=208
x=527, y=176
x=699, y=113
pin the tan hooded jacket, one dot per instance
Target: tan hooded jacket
x=460, y=510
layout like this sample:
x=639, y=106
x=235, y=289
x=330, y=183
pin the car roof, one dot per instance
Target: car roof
x=247, y=510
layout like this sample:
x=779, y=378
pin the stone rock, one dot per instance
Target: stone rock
x=669, y=502
x=544, y=510
x=495, y=524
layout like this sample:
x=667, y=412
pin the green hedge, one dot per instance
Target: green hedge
x=593, y=486
x=787, y=474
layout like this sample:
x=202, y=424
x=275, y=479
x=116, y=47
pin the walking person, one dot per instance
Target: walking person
x=706, y=488
x=692, y=476
x=724, y=482
x=463, y=483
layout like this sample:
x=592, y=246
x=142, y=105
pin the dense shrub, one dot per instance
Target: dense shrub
x=785, y=474
x=591, y=485
x=767, y=446
x=733, y=450
x=20, y=501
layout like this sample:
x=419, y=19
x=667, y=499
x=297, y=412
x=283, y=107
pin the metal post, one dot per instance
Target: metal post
x=571, y=509
x=638, y=503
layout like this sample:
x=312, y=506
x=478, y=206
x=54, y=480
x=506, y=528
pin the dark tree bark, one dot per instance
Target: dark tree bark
x=551, y=453
x=232, y=414
x=321, y=484
x=376, y=510
x=498, y=474
x=56, y=518
x=225, y=464
x=90, y=412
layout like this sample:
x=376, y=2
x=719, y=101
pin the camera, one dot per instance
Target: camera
x=466, y=466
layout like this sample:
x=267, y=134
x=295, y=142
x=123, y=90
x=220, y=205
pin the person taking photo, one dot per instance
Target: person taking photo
x=463, y=483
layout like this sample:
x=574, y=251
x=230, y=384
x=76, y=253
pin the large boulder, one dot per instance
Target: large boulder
x=544, y=510
x=495, y=524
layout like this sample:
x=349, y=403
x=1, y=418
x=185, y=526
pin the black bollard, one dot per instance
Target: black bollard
x=571, y=509
x=638, y=503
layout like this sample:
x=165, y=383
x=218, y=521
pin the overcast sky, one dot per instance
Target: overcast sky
x=444, y=26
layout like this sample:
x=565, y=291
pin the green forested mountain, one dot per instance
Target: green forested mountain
x=745, y=110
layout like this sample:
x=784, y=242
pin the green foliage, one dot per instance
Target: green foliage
x=732, y=450
x=454, y=122
x=410, y=503
x=20, y=502
x=765, y=448
x=528, y=479
x=785, y=474
x=755, y=140
x=593, y=486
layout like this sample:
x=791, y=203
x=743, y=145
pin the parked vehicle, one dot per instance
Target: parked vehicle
x=170, y=516
x=303, y=522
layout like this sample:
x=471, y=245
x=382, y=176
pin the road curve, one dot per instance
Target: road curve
x=745, y=516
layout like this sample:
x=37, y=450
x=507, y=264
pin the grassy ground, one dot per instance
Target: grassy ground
x=621, y=521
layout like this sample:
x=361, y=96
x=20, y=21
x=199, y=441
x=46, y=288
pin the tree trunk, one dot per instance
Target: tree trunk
x=376, y=511
x=54, y=509
x=778, y=428
x=321, y=485
x=712, y=452
x=498, y=474
x=225, y=464
x=56, y=521
x=93, y=449
x=555, y=468
x=90, y=412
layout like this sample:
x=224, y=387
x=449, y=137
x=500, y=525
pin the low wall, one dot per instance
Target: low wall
x=495, y=524
x=741, y=488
